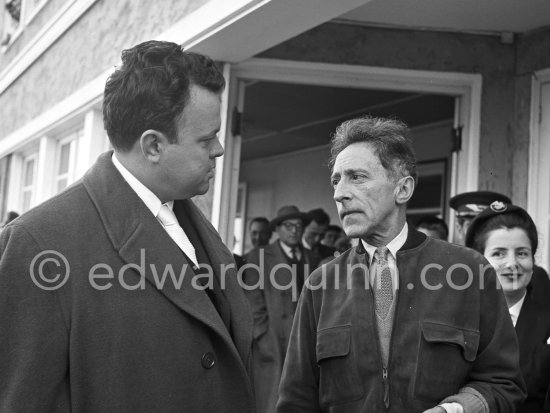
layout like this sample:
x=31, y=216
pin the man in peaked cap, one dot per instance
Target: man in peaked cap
x=468, y=205
x=273, y=279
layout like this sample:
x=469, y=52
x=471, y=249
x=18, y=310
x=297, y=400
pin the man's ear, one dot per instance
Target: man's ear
x=404, y=190
x=153, y=144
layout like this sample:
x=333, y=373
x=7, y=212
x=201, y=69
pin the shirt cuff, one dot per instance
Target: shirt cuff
x=470, y=400
x=452, y=407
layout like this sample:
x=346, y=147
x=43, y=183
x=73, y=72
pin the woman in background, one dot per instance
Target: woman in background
x=507, y=236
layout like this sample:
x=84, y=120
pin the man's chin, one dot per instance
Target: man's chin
x=204, y=188
x=353, y=231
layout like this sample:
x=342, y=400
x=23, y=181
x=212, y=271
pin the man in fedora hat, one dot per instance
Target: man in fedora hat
x=273, y=279
x=469, y=205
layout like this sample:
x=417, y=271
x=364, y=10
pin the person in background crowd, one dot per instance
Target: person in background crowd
x=342, y=244
x=260, y=232
x=507, y=236
x=433, y=227
x=278, y=272
x=314, y=233
x=90, y=320
x=10, y=216
x=332, y=234
x=371, y=333
x=468, y=205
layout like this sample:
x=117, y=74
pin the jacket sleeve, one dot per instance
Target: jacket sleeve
x=298, y=390
x=496, y=373
x=34, y=338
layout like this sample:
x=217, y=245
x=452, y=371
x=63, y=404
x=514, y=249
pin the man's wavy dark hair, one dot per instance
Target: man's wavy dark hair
x=389, y=139
x=151, y=88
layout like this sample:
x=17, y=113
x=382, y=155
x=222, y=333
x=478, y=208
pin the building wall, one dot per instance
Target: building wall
x=87, y=49
x=533, y=53
x=30, y=30
x=427, y=50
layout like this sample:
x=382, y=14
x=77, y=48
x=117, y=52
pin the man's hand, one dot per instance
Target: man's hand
x=436, y=409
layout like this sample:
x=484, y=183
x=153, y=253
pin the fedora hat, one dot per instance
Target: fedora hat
x=289, y=212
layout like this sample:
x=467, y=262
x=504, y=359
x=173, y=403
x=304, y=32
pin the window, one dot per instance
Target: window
x=16, y=14
x=65, y=161
x=430, y=194
x=29, y=182
x=4, y=176
x=11, y=18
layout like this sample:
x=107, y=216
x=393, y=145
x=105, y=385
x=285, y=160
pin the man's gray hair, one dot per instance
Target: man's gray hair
x=388, y=137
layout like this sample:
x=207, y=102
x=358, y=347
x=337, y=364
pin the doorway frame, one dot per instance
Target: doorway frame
x=539, y=176
x=466, y=87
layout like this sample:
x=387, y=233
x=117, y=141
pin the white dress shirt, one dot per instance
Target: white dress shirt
x=154, y=204
x=516, y=308
x=288, y=251
x=393, y=246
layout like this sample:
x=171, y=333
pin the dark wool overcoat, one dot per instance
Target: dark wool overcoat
x=113, y=337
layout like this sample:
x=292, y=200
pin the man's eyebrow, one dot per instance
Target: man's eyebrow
x=351, y=171
x=210, y=134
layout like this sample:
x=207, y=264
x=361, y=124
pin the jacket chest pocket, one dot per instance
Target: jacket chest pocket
x=444, y=360
x=339, y=380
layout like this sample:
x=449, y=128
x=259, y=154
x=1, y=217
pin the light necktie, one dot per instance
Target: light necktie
x=383, y=289
x=168, y=219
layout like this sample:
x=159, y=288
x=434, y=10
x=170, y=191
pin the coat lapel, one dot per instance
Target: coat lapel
x=220, y=259
x=527, y=323
x=139, y=239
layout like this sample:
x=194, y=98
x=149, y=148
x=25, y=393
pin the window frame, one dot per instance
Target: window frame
x=32, y=186
x=71, y=139
x=25, y=18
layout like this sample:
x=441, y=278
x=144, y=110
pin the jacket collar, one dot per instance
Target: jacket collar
x=136, y=235
x=414, y=239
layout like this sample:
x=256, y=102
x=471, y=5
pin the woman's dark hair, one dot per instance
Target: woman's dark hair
x=506, y=220
x=151, y=88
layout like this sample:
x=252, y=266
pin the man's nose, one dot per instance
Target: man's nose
x=340, y=192
x=217, y=149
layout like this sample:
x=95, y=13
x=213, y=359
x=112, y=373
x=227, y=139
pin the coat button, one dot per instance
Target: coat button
x=208, y=360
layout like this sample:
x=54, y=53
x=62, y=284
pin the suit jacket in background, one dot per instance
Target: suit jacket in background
x=133, y=345
x=273, y=310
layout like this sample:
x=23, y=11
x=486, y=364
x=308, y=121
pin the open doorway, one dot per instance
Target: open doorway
x=288, y=112
x=286, y=130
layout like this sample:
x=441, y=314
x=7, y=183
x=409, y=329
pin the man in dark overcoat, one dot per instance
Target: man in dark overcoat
x=273, y=278
x=118, y=295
